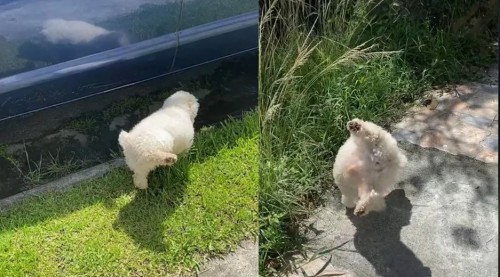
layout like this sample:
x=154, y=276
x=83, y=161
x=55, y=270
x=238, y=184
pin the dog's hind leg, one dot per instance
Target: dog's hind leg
x=170, y=159
x=377, y=203
x=163, y=158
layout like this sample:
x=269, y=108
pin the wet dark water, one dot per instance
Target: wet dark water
x=54, y=143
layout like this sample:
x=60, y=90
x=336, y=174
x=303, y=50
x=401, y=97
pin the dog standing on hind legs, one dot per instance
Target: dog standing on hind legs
x=159, y=138
x=367, y=167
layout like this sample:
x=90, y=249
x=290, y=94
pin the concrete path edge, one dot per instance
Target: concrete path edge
x=63, y=183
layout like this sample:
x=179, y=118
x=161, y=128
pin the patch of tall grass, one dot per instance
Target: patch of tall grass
x=357, y=59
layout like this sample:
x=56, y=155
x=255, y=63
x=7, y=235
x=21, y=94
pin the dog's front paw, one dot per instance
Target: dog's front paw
x=140, y=181
x=170, y=159
x=141, y=186
x=354, y=126
x=362, y=208
x=373, y=202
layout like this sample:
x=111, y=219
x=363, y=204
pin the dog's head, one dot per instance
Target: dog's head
x=184, y=100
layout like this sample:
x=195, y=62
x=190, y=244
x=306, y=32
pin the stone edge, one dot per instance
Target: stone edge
x=64, y=183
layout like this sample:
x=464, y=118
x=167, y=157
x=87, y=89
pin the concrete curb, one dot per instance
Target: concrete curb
x=243, y=262
x=63, y=183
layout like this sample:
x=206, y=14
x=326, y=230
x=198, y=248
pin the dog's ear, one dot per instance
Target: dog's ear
x=123, y=139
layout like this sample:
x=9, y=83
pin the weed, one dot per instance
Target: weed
x=48, y=168
x=84, y=125
x=4, y=154
x=115, y=154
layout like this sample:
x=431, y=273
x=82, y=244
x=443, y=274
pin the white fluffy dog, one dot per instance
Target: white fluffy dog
x=160, y=137
x=367, y=167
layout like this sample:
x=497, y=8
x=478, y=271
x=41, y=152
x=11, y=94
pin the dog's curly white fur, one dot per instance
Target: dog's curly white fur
x=367, y=166
x=160, y=137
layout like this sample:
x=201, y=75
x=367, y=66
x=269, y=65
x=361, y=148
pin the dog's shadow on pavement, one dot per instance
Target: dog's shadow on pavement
x=142, y=218
x=378, y=239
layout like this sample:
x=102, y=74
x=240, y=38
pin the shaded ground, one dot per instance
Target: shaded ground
x=442, y=220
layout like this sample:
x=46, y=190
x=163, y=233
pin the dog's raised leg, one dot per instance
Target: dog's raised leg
x=355, y=128
x=163, y=158
x=170, y=159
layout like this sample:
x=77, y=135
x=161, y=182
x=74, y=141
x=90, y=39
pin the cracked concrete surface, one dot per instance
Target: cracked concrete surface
x=465, y=122
x=241, y=263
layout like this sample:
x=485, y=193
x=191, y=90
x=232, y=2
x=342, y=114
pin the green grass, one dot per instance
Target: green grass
x=203, y=206
x=4, y=154
x=366, y=62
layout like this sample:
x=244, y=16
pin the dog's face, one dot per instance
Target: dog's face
x=184, y=100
